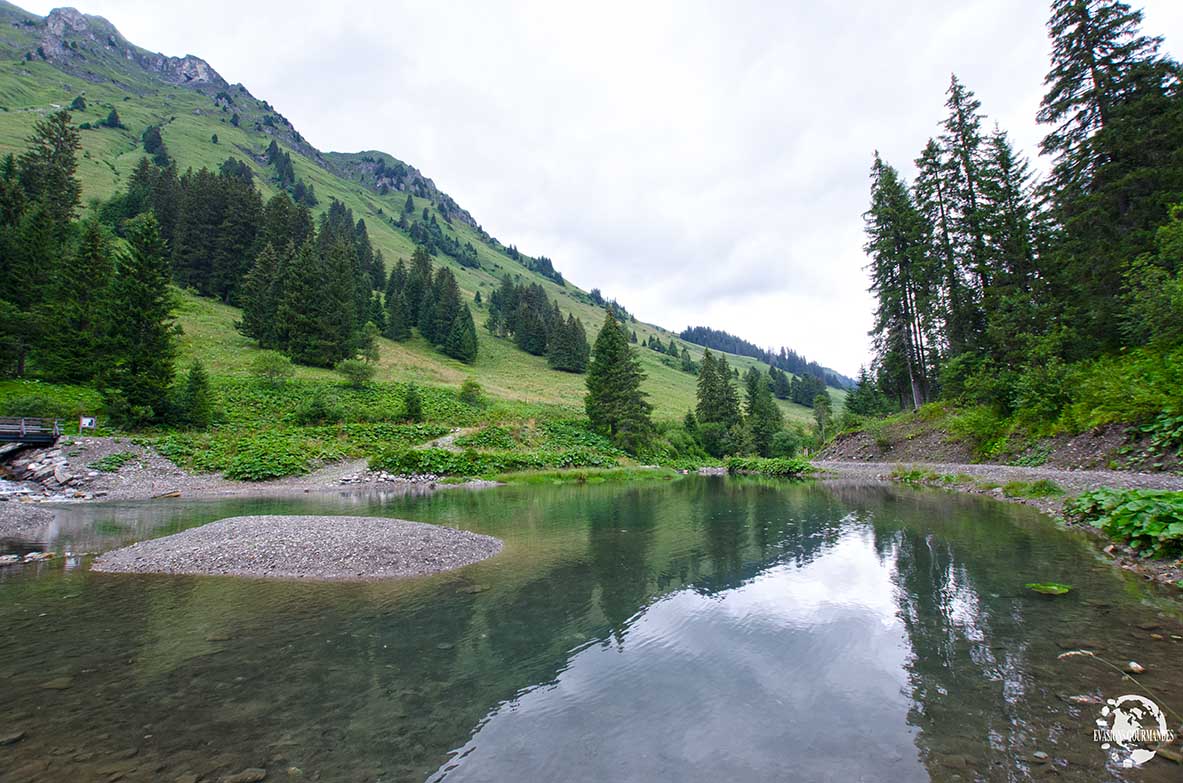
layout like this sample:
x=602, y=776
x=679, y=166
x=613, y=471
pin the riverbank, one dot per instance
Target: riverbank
x=1047, y=489
x=322, y=548
x=119, y=469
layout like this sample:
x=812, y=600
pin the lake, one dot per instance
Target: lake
x=707, y=629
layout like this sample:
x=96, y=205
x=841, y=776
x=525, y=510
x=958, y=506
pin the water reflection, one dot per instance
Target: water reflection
x=702, y=630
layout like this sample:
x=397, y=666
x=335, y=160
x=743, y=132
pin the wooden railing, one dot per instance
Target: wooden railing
x=25, y=429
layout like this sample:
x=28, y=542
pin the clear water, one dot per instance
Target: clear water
x=705, y=630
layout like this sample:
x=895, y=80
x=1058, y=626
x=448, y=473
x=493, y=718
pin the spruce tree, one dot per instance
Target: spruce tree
x=195, y=400
x=615, y=403
x=143, y=335
x=764, y=418
x=398, y=317
x=261, y=294
x=75, y=328
x=47, y=169
x=462, y=340
x=1096, y=46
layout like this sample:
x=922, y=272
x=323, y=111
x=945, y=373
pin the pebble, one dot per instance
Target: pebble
x=1133, y=667
x=1041, y=757
x=59, y=684
x=252, y=775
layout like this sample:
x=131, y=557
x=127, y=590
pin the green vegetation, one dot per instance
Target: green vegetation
x=485, y=464
x=112, y=462
x=589, y=476
x=1150, y=521
x=780, y=468
x=1040, y=307
x=1043, y=488
x=176, y=299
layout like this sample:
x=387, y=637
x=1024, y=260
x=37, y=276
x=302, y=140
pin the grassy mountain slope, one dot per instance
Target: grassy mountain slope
x=46, y=63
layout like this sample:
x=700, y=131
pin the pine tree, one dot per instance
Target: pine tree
x=195, y=400
x=764, y=418
x=72, y=346
x=615, y=403
x=398, y=317
x=262, y=292
x=1096, y=45
x=462, y=340
x=896, y=246
x=143, y=335
x=47, y=169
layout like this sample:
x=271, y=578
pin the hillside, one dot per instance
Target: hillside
x=45, y=64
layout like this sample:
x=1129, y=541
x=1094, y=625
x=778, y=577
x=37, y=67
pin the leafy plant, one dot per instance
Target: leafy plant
x=484, y=463
x=493, y=437
x=1048, y=588
x=1043, y=488
x=1150, y=520
x=112, y=462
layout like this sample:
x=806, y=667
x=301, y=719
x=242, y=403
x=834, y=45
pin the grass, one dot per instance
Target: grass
x=1043, y=488
x=112, y=462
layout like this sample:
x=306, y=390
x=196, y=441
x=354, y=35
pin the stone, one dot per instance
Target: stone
x=1133, y=667
x=188, y=778
x=59, y=684
x=1041, y=757
x=11, y=739
x=252, y=775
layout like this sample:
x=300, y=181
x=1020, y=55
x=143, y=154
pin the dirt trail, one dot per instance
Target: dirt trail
x=1071, y=480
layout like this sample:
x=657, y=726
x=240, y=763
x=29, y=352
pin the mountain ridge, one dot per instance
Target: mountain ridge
x=91, y=48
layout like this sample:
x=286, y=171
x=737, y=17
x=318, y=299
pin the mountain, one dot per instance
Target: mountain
x=70, y=59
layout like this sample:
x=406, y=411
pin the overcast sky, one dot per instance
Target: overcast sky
x=704, y=163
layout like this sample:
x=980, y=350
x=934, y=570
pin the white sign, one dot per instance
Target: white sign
x=1129, y=729
x=87, y=423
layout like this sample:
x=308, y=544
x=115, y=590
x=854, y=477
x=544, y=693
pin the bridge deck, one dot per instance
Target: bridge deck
x=23, y=429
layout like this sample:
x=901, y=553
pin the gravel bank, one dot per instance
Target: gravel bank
x=304, y=547
x=1070, y=480
x=986, y=480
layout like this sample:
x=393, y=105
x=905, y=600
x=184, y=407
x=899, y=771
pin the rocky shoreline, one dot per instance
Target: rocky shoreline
x=321, y=548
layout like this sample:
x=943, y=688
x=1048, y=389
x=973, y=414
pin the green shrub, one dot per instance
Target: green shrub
x=786, y=468
x=1150, y=520
x=320, y=408
x=267, y=458
x=1043, y=488
x=492, y=437
x=788, y=442
x=272, y=368
x=412, y=404
x=484, y=463
x=471, y=393
x=357, y=374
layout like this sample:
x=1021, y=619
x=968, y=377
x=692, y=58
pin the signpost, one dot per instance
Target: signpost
x=87, y=423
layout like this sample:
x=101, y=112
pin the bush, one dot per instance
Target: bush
x=781, y=468
x=320, y=408
x=472, y=394
x=357, y=373
x=272, y=368
x=788, y=442
x=484, y=463
x=493, y=437
x=1150, y=520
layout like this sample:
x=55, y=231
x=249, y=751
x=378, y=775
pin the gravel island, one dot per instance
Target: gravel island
x=304, y=547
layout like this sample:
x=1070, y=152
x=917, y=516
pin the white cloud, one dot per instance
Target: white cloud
x=703, y=163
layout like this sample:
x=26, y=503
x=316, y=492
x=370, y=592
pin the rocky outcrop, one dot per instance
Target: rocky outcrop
x=71, y=38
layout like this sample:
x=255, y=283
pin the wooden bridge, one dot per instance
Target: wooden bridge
x=34, y=432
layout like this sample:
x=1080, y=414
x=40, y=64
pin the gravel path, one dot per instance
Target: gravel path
x=1070, y=480
x=304, y=547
